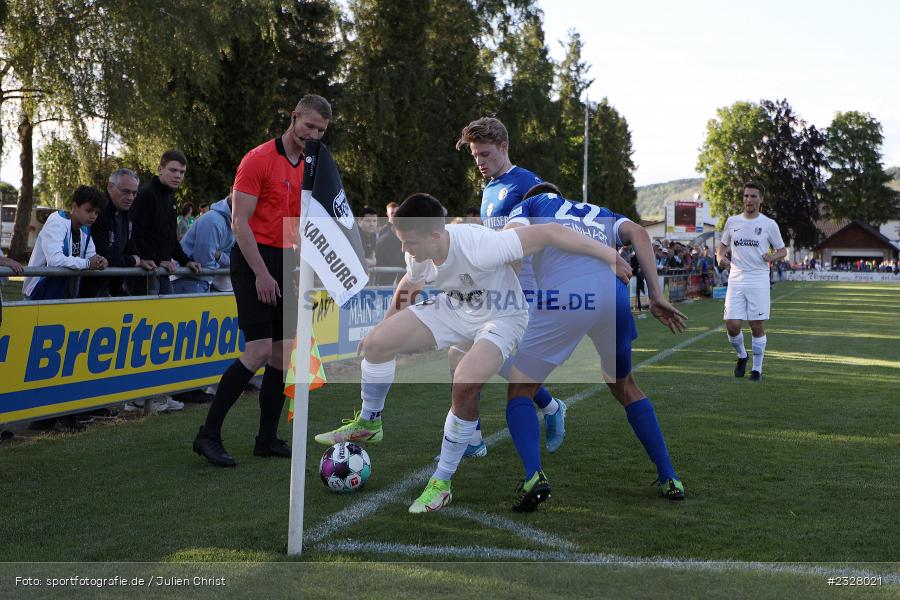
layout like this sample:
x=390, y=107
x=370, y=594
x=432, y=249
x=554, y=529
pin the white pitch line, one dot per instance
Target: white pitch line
x=526, y=532
x=487, y=553
x=396, y=491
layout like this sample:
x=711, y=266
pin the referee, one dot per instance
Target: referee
x=266, y=191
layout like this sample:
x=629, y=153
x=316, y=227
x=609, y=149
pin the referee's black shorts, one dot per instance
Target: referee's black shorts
x=260, y=321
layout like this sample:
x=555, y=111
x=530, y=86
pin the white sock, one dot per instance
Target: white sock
x=759, y=349
x=376, y=381
x=738, y=343
x=476, y=438
x=551, y=407
x=457, y=434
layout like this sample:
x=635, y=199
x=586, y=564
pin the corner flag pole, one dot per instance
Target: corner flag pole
x=301, y=399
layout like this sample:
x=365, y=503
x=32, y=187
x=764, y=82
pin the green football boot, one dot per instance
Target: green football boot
x=435, y=497
x=357, y=430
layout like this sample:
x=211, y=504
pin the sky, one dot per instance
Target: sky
x=668, y=66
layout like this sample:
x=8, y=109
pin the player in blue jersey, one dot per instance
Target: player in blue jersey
x=603, y=313
x=488, y=141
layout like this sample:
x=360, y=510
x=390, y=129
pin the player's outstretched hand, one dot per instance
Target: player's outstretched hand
x=668, y=315
x=623, y=269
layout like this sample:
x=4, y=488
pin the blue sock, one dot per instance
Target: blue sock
x=542, y=397
x=525, y=432
x=478, y=422
x=642, y=418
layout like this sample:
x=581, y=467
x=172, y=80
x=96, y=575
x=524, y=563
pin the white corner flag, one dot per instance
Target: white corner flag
x=331, y=246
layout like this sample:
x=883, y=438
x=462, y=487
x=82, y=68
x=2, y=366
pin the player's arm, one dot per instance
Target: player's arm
x=721, y=251
x=535, y=238
x=776, y=242
x=243, y=206
x=632, y=233
x=776, y=256
x=403, y=295
x=724, y=246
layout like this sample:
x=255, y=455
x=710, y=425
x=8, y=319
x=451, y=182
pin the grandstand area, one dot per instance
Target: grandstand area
x=788, y=482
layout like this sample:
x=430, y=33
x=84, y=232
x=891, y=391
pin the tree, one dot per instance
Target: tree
x=57, y=164
x=572, y=82
x=857, y=187
x=383, y=109
x=729, y=155
x=526, y=108
x=766, y=142
x=308, y=56
x=610, y=167
x=791, y=160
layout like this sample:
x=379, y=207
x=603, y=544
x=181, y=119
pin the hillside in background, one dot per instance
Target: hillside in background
x=651, y=198
x=893, y=183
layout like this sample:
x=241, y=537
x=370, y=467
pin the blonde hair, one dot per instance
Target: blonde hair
x=485, y=129
x=314, y=103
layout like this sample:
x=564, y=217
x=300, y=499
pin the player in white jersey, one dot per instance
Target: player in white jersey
x=754, y=242
x=480, y=301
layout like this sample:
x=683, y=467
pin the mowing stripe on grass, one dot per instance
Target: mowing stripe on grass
x=487, y=553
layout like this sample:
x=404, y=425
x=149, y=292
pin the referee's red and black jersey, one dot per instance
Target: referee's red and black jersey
x=266, y=172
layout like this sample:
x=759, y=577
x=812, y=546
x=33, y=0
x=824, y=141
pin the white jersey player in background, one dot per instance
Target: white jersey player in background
x=749, y=237
x=480, y=301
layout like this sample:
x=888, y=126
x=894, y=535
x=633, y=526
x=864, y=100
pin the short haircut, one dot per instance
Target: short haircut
x=545, y=187
x=314, y=103
x=172, y=154
x=368, y=210
x=421, y=213
x=204, y=205
x=116, y=176
x=390, y=205
x=755, y=185
x=186, y=208
x=86, y=194
x=473, y=211
x=485, y=129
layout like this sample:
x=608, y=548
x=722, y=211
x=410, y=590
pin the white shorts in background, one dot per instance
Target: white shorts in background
x=443, y=319
x=747, y=303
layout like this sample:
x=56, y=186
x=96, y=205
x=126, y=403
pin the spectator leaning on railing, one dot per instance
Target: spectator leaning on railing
x=111, y=233
x=155, y=225
x=16, y=268
x=65, y=241
x=209, y=242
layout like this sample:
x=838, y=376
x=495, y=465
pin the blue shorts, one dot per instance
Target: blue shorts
x=583, y=307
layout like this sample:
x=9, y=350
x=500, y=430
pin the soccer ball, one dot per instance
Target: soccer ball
x=345, y=467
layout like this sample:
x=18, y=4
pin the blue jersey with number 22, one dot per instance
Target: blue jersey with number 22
x=553, y=266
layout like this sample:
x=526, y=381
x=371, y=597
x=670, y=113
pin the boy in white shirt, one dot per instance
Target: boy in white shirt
x=65, y=241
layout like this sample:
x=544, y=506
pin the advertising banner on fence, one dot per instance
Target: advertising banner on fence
x=68, y=356
x=64, y=357
x=812, y=275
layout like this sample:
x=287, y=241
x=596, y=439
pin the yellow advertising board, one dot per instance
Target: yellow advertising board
x=68, y=356
x=63, y=357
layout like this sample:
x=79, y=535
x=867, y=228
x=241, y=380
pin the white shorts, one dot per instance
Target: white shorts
x=747, y=303
x=446, y=324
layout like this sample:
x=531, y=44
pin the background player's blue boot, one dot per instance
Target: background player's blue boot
x=555, y=426
x=475, y=450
